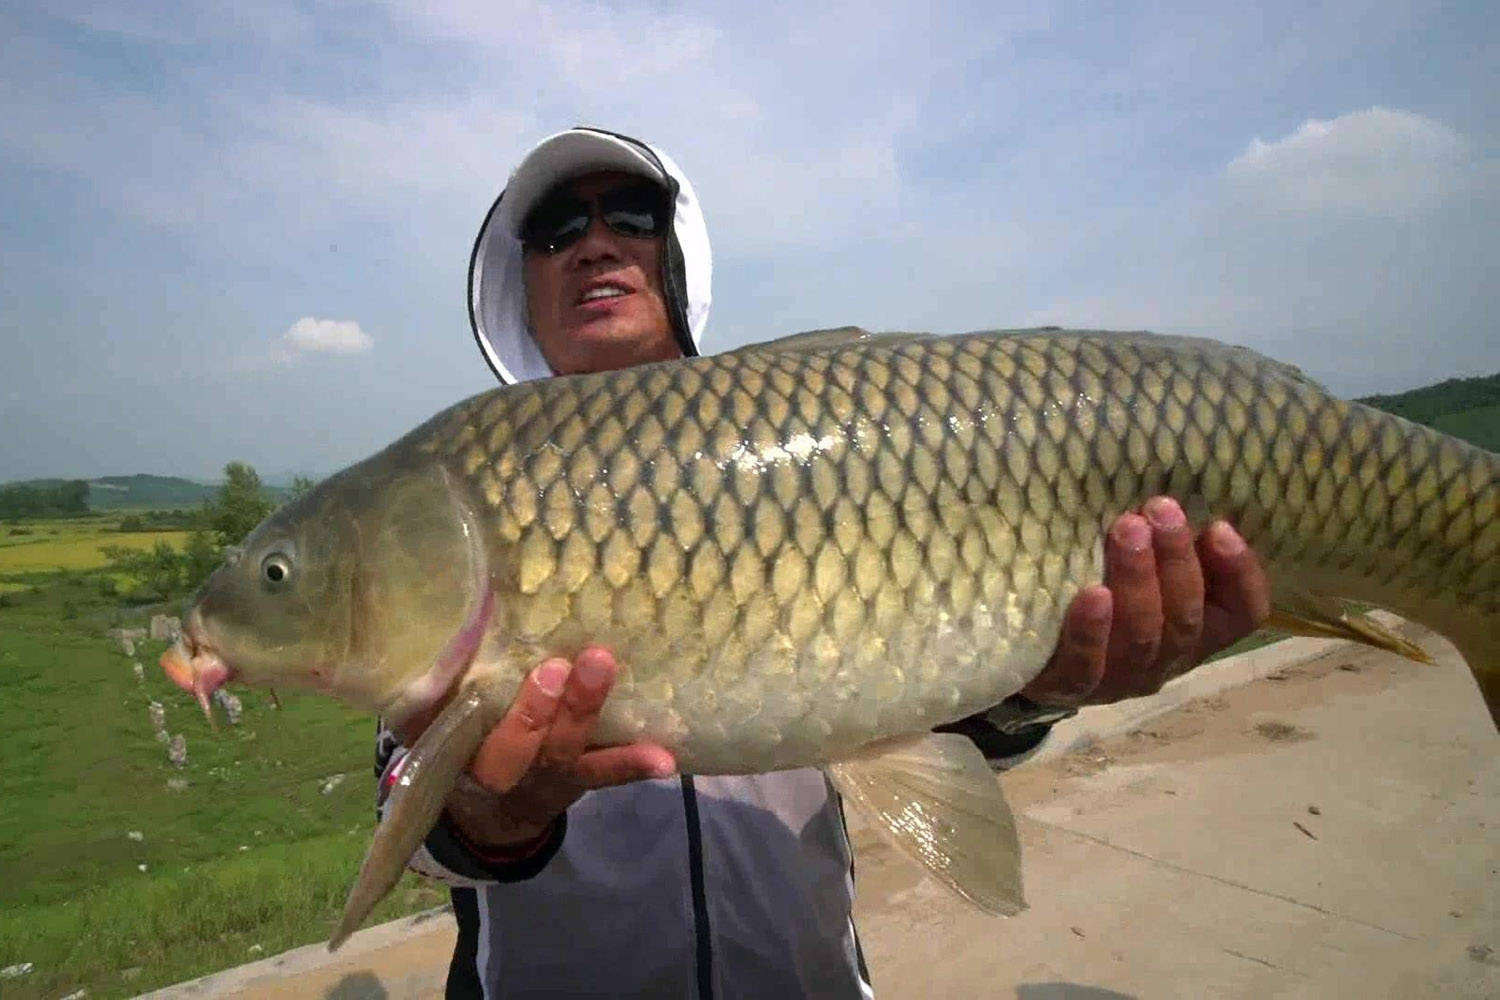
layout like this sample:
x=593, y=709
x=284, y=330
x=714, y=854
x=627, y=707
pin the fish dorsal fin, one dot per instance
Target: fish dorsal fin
x=812, y=339
x=1303, y=613
x=937, y=800
x=838, y=336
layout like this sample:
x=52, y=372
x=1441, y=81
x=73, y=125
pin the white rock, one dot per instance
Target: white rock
x=177, y=750
x=255, y=949
x=332, y=782
x=140, y=868
x=16, y=971
x=76, y=995
x=165, y=627
x=231, y=704
x=177, y=784
x=158, y=716
x=140, y=673
x=136, y=836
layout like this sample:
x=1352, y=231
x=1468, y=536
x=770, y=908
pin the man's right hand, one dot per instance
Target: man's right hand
x=537, y=762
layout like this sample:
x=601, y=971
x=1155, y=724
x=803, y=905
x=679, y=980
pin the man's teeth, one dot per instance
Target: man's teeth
x=606, y=292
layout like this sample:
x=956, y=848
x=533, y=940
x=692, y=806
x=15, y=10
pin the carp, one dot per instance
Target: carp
x=813, y=551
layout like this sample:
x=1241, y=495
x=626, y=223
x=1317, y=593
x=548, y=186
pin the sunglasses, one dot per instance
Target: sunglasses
x=639, y=211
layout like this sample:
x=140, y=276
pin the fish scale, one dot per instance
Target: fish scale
x=811, y=552
x=917, y=510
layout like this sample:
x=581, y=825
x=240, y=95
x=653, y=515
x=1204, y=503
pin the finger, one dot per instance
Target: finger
x=616, y=765
x=592, y=676
x=413, y=726
x=512, y=746
x=1237, y=590
x=1077, y=664
x=1181, y=580
x=1135, y=629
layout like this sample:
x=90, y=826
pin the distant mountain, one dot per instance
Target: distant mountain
x=1467, y=408
x=144, y=492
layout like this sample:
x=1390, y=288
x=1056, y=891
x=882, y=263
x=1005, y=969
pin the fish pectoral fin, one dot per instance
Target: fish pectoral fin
x=426, y=777
x=1320, y=617
x=936, y=799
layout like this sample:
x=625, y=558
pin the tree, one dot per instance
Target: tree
x=241, y=504
x=200, y=558
x=301, y=487
x=158, y=570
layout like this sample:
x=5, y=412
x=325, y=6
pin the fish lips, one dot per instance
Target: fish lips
x=190, y=665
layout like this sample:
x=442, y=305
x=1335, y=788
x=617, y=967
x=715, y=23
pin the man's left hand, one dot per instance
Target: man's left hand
x=1169, y=602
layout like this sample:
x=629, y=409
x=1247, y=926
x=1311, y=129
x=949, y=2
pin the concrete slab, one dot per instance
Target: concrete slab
x=1327, y=831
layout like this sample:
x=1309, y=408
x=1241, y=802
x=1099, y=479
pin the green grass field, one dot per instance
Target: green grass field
x=73, y=545
x=248, y=852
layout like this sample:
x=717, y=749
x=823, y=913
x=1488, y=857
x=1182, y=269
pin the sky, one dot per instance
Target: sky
x=240, y=231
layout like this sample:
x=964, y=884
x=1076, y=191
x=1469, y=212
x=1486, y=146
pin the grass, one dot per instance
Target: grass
x=249, y=851
x=41, y=546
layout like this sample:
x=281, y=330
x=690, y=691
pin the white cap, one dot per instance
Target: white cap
x=562, y=157
x=497, y=293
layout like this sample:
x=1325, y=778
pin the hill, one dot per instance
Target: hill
x=1467, y=408
x=145, y=492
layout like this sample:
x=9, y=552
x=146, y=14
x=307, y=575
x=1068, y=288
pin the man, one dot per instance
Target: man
x=595, y=871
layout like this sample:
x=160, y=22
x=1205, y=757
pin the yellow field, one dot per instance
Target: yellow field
x=77, y=548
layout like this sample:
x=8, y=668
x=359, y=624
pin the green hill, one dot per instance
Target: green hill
x=145, y=492
x=1467, y=408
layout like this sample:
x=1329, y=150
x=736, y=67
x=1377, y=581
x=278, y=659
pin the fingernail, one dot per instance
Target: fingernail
x=663, y=769
x=551, y=676
x=1164, y=513
x=591, y=673
x=1133, y=533
x=1226, y=541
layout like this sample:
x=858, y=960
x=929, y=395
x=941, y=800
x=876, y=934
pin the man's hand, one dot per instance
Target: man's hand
x=1167, y=604
x=536, y=762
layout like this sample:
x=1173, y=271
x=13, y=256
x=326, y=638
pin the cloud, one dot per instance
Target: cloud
x=1354, y=247
x=310, y=335
x=1375, y=162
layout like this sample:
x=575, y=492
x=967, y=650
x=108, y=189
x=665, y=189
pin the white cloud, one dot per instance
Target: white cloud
x=1375, y=162
x=310, y=335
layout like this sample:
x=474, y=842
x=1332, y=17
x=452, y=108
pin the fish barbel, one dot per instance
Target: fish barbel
x=811, y=552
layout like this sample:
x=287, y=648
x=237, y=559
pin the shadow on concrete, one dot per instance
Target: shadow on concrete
x=357, y=986
x=1067, y=991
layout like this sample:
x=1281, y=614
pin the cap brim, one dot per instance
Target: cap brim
x=561, y=157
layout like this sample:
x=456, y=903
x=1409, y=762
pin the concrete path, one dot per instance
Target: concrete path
x=1328, y=830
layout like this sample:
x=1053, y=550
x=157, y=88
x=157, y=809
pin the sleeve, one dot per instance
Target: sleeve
x=444, y=855
x=1011, y=731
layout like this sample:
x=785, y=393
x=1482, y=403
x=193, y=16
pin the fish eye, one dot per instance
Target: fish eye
x=276, y=569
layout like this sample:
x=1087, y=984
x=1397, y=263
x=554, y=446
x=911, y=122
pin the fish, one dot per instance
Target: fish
x=811, y=552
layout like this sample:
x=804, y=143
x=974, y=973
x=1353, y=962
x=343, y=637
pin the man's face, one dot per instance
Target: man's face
x=598, y=304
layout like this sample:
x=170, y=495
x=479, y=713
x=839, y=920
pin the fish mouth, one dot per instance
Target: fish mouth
x=194, y=666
